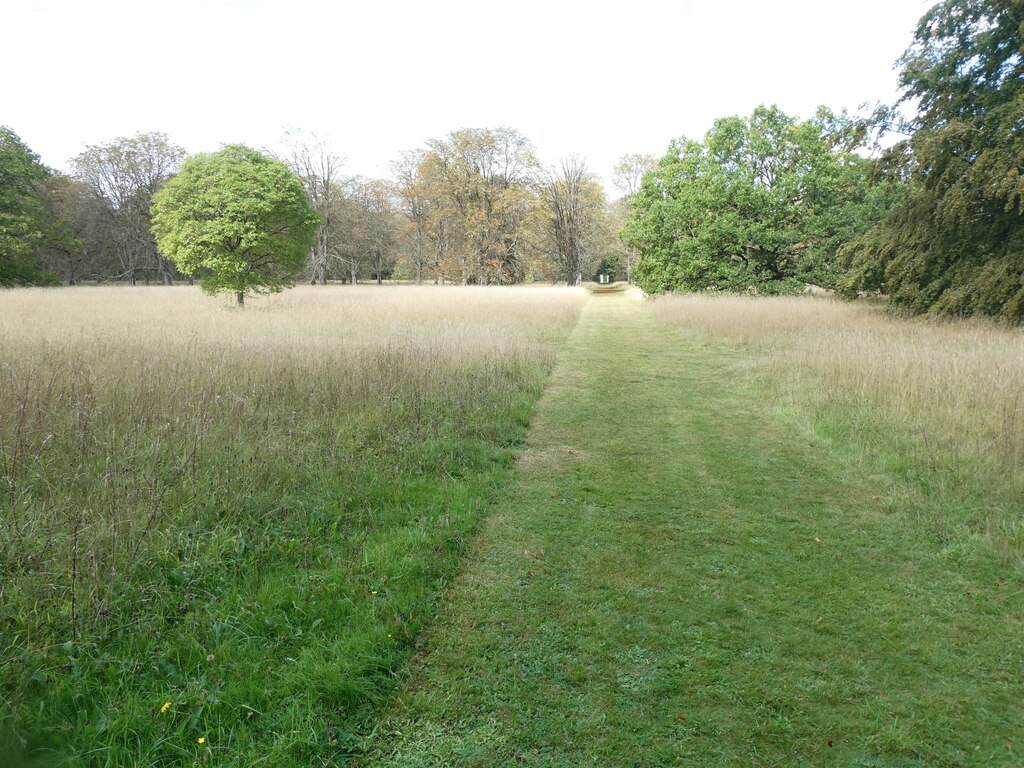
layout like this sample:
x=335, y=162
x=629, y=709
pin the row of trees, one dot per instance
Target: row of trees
x=474, y=207
x=767, y=204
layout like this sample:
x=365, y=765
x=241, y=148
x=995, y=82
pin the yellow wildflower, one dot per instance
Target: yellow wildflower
x=201, y=740
x=165, y=707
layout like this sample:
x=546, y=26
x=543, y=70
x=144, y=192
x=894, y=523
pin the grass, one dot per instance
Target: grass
x=739, y=532
x=695, y=566
x=939, y=406
x=222, y=530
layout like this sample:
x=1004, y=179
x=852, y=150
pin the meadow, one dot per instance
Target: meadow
x=745, y=532
x=938, y=404
x=222, y=530
x=482, y=526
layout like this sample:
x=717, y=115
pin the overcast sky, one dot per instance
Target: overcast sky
x=378, y=78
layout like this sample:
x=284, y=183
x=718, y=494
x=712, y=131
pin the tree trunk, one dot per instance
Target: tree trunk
x=240, y=298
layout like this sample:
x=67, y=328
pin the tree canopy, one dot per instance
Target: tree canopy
x=238, y=220
x=124, y=174
x=956, y=244
x=762, y=205
x=480, y=203
x=26, y=223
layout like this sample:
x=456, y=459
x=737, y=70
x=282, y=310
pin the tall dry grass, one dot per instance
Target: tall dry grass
x=96, y=383
x=162, y=452
x=946, y=399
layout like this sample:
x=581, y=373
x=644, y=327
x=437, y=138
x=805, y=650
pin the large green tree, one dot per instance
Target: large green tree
x=27, y=224
x=238, y=220
x=956, y=244
x=761, y=204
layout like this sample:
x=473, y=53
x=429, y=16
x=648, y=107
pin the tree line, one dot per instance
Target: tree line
x=763, y=204
x=476, y=206
x=935, y=221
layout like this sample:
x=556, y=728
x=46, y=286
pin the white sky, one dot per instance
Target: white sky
x=379, y=78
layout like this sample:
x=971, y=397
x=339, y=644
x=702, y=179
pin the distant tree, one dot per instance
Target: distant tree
x=238, y=220
x=955, y=245
x=626, y=176
x=480, y=189
x=575, y=210
x=621, y=259
x=27, y=223
x=374, y=224
x=629, y=171
x=414, y=203
x=319, y=170
x=85, y=218
x=762, y=204
x=125, y=174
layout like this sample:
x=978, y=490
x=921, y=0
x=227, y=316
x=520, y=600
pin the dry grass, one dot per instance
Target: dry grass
x=166, y=457
x=92, y=379
x=946, y=397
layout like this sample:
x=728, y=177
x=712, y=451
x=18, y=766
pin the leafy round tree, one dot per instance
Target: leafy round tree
x=761, y=205
x=238, y=220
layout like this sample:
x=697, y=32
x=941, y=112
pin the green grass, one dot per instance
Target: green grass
x=239, y=526
x=218, y=527
x=690, y=570
x=269, y=615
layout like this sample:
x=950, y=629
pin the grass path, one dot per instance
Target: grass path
x=679, y=577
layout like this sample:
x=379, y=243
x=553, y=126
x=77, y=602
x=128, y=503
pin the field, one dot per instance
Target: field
x=229, y=526
x=939, y=405
x=456, y=526
x=743, y=533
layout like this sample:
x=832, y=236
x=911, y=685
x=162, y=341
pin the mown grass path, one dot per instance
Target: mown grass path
x=679, y=577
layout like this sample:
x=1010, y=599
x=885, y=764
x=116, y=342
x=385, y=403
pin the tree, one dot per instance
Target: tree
x=479, y=191
x=762, y=204
x=627, y=176
x=414, y=203
x=374, y=224
x=319, y=170
x=27, y=224
x=125, y=174
x=575, y=207
x=237, y=219
x=620, y=259
x=955, y=245
x=629, y=171
x=85, y=218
